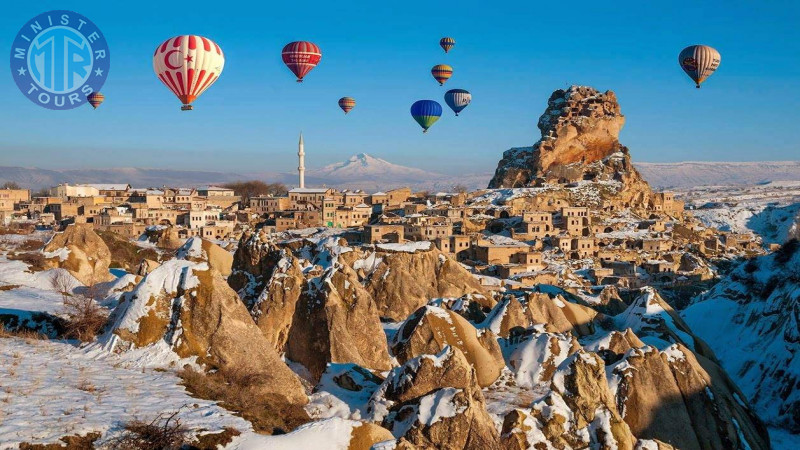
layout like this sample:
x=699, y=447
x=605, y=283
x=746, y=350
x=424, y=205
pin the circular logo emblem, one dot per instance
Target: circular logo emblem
x=690, y=63
x=58, y=58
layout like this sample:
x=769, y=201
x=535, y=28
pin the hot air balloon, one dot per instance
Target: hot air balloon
x=447, y=43
x=95, y=99
x=442, y=73
x=699, y=62
x=188, y=65
x=300, y=57
x=457, y=99
x=347, y=103
x=426, y=113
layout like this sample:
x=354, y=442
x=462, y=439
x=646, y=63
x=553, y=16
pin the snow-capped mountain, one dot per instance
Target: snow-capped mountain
x=364, y=167
x=717, y=173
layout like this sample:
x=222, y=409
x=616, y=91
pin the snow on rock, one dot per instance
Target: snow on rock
x=408, y=247
x=757, y=307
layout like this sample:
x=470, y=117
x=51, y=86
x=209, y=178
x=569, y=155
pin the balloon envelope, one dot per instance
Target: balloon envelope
x=442, y=73
x=300, y=57
x=699, y=62
x=347, y=103
x=447, y=43
x=188, y=65
x=95, y=99
x=457, y=99
x=426, y=113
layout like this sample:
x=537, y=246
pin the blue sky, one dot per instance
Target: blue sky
x=511, y=57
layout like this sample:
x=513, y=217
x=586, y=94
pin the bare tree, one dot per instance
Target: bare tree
x=10, y=185
x=164, y=432
x=460, y=189
x=84, y=317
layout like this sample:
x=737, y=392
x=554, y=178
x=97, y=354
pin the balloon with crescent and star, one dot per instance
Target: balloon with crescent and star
x=188, y=65
x=300, y=57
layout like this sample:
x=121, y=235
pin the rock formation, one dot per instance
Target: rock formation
x=184, y=309
x=435, y=401
x=579, y=141
x=431, y=329
x=335, y=320
x=403, y=280
x=79, y=250
x=197, y=249
x=757, y=306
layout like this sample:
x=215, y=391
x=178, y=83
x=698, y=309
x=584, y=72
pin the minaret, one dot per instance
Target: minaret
x=301, y=168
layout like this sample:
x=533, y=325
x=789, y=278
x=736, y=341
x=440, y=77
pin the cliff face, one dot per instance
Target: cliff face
x=580, y=141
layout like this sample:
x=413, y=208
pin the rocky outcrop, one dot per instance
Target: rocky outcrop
x=274, y=308
x=197, y=249
x=689, y=409
x=184, y=309
x=430, y=329
x=435, y=401
x=335, y=320
x=405, y=280
x=79, y=250
x=757, y=306
x=578, y=412
x=579, y=141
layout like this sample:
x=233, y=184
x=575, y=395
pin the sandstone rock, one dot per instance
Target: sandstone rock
x=404, y=281
x=364, y=436
x=146, y=266
x=335, y=320
x=274, y=309
x=580, y=409
x=560, y=315
x=185, y=309
x=197, y=249
x=535, y=360
x=580, y=141
x=688, y=409
x=253, y=263
x=430, y=329
x=436, y=402
x=507, y=314
x=79, y=250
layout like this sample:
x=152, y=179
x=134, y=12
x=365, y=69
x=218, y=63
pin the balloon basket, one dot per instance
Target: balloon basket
x=187, y=108
x=299, y=80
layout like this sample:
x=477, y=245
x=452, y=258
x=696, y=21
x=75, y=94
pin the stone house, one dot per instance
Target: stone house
x=498, y=254
x=383, y=233
x=264, y=204
x=655, y=245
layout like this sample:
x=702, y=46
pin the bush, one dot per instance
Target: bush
x=84, y=317
x=162, y=433
x=35, y=260
x=237, y=390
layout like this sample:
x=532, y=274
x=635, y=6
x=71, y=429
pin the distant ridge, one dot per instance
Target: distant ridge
x=364, y=171
x=709, y=173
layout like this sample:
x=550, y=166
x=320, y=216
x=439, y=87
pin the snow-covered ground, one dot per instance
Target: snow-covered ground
x=768, y=210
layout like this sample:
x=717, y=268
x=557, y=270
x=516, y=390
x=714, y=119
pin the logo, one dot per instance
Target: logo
x=690, y=63
x=58, y=58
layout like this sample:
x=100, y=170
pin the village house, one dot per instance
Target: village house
x=268, y=204
x=490, y=253
x=655, y=245
x=383, y=233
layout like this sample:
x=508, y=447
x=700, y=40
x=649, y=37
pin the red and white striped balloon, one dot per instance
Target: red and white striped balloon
x=188, y=65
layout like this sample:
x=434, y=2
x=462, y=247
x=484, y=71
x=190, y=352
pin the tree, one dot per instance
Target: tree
x=10, y=185
x=460, y=189
x=254, y=188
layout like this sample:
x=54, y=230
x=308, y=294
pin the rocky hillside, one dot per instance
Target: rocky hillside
x=757, y=307
x=579, y=141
